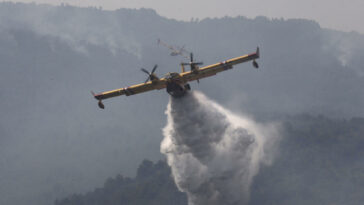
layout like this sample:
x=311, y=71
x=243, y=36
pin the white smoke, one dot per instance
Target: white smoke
x=348, y=47
x=213, y=153
x=77, y=27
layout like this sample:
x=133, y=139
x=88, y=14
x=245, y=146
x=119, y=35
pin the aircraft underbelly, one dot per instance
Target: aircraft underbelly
x=176, y=90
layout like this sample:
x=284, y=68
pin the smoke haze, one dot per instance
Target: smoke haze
x=213, y=153
x=54, y=141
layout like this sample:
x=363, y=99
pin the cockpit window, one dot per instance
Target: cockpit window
x=171, y=75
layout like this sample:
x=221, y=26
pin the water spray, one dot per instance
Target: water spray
x=213, y=153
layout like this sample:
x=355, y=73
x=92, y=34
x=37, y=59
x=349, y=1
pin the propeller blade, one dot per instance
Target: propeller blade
x=154, y=68
x=198, y=63
x=145, y=71
x=151, y=76
x=191, y=57
x=147, y=79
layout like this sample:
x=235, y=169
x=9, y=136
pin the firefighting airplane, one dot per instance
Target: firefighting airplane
x=176, y=84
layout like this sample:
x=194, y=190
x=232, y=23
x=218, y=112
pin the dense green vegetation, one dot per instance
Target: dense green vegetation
x=320, y=161
x=152, y=185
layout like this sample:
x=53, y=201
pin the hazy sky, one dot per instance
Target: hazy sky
x=337, y=14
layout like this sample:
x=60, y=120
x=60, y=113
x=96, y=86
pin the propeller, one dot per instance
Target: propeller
x=192, y=63
x=151, y=75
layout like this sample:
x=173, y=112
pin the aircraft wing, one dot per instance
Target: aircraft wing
x=213, y=69
x=132, y=90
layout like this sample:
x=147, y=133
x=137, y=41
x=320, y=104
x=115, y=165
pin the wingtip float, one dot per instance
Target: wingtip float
x=100, y=104
x=176, y=84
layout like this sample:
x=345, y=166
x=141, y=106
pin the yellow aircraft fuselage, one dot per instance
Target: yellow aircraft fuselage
x=176, y=84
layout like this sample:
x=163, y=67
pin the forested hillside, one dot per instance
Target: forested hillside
x=54, y=141
x=319, y=162
x=152, y=185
